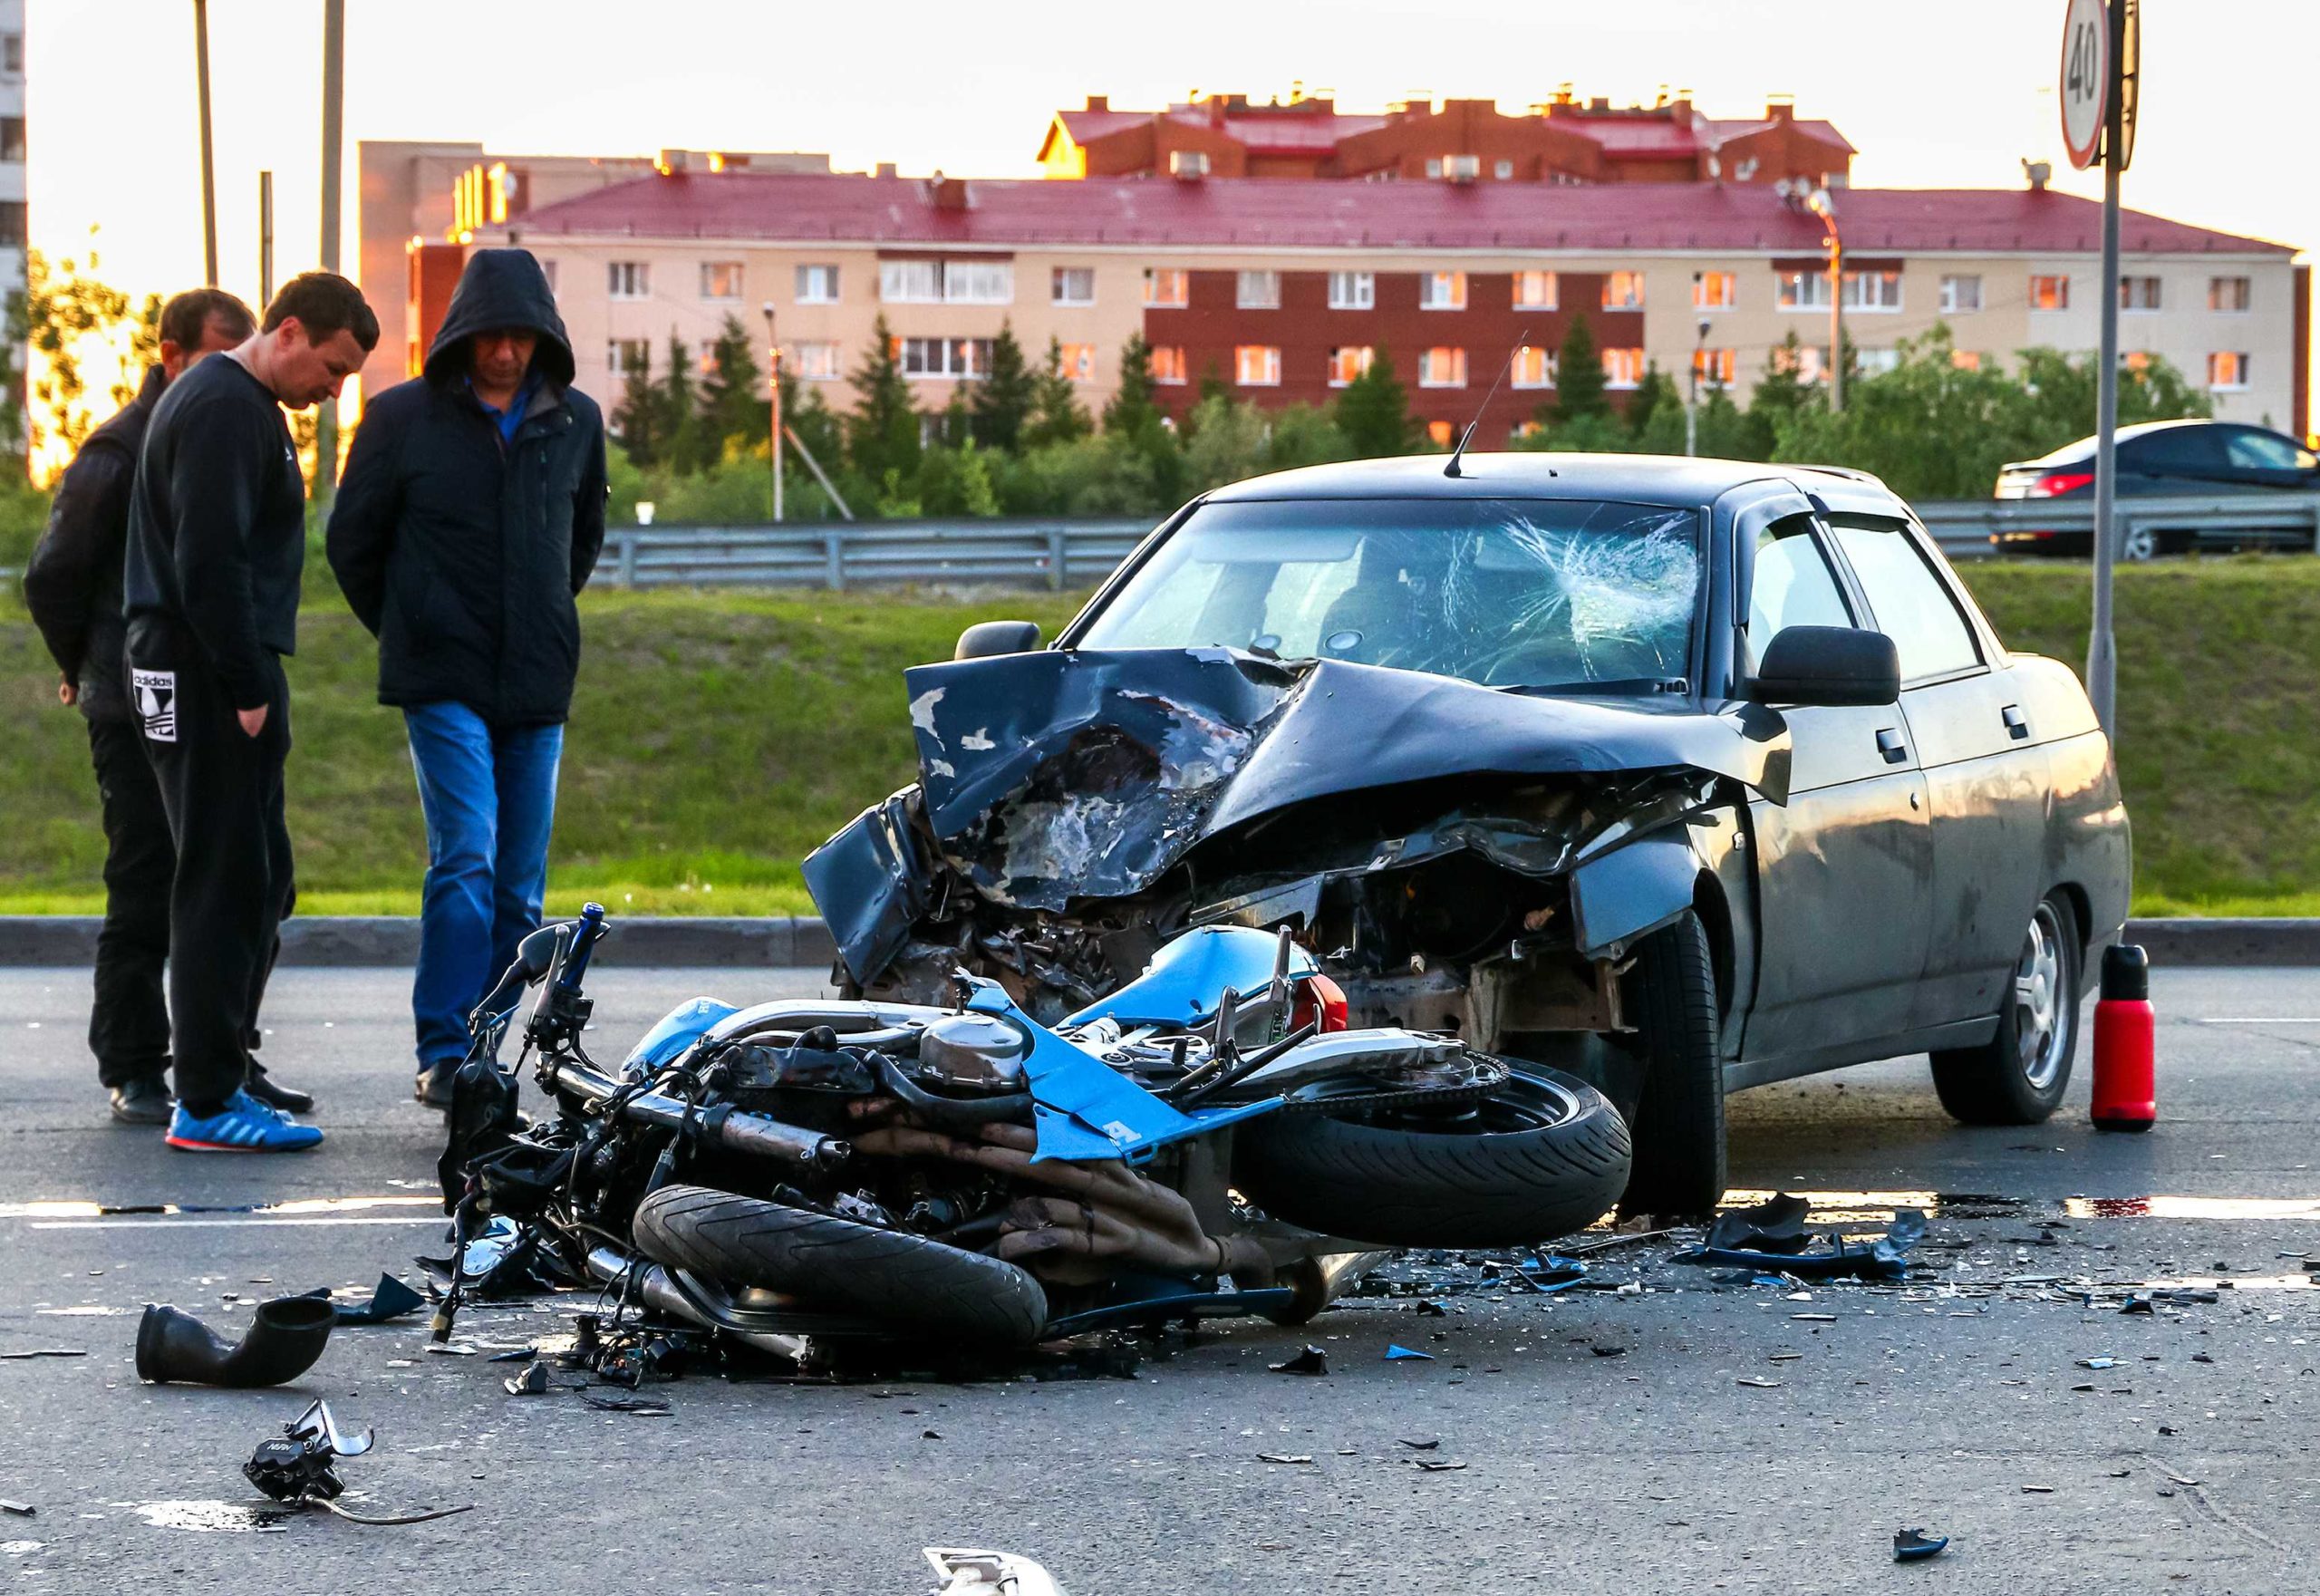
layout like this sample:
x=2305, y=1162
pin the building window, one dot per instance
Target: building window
x=812, y=362
x=623, y=356
x=627, y=279
x=1353, y=290
x=1168, y=364
x=12, y=138
x=1714, y=290
x=1166, y=289
x=1715, y=368
x=953, y=282
x=816, y=285
x=1535, y=291
x=2226, y=371
x=1349, y=362
x=12, y=55
x=721, y=279
x=1960, y=293
x=2228, y=294
x=1257, y=365
x=1502, y=169
x=1077, y=362
x=1806, y=361
x=1876, y=361
x=1440, y=433
x=1433, y=166
x=1441, y=368
x=1623, y=368
x=1966, y=360
x=2049, y=292
x=1623, y=291
x=2139, y=294
x=1872, y=290
x=1257, y=290
x=1072, y=284
x=1442, y=291
x=960, y=358
x=1802, y=290
x=1532, y=367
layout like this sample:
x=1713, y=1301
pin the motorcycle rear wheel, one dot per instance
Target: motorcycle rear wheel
x=1542, y=1155
x=922, y=1287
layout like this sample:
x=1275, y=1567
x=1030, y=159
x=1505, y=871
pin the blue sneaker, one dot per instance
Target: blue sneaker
x=244, y=1126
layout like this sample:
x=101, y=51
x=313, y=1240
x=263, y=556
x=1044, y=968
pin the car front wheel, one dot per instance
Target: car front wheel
x=2018, y=1075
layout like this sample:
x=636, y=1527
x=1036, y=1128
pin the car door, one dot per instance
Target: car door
x=1844, y=868
x=2174, y=460
x=1984, y=768
x=2268, y=460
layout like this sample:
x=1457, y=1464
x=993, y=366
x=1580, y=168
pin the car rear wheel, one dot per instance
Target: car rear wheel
x=2018, y=1075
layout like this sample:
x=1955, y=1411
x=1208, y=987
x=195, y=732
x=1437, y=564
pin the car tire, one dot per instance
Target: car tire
x=1670, y=998
x=2019, y=1076
x=2138, y=543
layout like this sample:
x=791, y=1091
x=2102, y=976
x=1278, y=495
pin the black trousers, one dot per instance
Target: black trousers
x=222, y=790
x=129, y=1028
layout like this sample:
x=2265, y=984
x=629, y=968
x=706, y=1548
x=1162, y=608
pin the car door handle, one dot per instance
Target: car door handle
x=2017, y=724
x=1890, y=744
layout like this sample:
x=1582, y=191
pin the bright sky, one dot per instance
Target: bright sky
x=1947, y=94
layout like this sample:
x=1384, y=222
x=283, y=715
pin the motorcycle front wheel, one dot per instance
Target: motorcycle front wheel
x=1541, y=1155
x=921, y=1287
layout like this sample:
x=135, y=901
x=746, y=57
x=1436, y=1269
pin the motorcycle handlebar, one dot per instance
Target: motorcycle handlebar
x=756, y=1134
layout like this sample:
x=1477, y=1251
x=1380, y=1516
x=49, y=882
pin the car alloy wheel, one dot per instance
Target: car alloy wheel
x=2138, y=545
x=2044, y=1013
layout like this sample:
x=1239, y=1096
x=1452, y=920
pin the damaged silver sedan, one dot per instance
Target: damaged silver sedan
x=1682, y=775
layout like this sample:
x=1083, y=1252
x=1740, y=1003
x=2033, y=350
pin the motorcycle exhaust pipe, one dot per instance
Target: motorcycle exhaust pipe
x=660, y=1290
x=284, y=1338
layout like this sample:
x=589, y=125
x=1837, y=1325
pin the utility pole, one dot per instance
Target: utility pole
x=1825, y=207
x=1692, y=396
x=334, y=125
x=773, y=391
x=208, y=171
x=265, y=239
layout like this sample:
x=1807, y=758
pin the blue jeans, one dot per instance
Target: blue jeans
x=489, y=796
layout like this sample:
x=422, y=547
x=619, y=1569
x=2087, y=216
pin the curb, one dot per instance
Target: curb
x=325, y=940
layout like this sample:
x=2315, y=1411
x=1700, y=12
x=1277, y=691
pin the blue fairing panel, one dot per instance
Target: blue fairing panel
x=678, y=1029
x=1186, y=978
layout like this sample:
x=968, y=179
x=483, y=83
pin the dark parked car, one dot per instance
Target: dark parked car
x=1686, y=776
x=2178, y=459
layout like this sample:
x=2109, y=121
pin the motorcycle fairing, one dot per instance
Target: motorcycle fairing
x=1186, y=977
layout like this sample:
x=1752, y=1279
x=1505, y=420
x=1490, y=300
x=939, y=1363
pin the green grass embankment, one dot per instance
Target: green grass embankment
x=718, y=737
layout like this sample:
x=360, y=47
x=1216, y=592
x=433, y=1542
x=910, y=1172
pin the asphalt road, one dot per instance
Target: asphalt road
x=2193, y=1465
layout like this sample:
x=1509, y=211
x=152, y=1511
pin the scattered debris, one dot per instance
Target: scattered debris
x=286, y=1336
x=1760, y=1384
x=1771, y=1236
x=1312, y=1360
x=989, y=1573
x=1609, y=1351
x=299, y=1468
x=2136, y=1303
x=2098, y=1363
x=48, y=1352
x=1438, y=1464
x=452, y=1348
x=1915, y=1546
x=1814, y=1317
x=211, y=1518
x=1428, y=1308
x=21, y=1509
x=1400, y=1354
x=532, y=1382
x=647, y=1406
x=2037, y=1490
x=515, y=1355
x=391, y=1301
x=1285, y=1457
x=930, y=1434
x=1433, y=1445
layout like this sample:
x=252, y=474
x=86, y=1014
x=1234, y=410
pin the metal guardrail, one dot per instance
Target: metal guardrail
x=1969, y=528
x=837, y=555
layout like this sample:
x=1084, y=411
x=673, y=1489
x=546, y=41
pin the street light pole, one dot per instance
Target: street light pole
x=773, y=388
x=2101, y=646
x=333, y=124
x=1825, y=207
x=1692, y=398
x=208, y=170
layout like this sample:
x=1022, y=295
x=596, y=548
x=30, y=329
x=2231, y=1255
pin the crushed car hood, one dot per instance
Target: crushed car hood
x=1069, y=774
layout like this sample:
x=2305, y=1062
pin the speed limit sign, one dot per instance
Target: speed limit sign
x=2085, y=89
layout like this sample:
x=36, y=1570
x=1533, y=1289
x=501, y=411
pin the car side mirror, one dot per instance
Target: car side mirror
x=1835, y=666
x=989, y=638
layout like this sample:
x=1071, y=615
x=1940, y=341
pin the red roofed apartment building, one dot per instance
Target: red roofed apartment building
x=1650, y=223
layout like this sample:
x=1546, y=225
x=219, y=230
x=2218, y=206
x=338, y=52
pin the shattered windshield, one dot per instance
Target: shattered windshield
x=1565, y=594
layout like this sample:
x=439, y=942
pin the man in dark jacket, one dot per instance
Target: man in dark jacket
x=217, y=542
x=73, y=586
x=471, y=514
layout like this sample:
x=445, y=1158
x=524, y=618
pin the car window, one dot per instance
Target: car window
x=1793, y=584
x=2190, y=450
x=2263, y=451
x=1911, y=605
x=1563, y=593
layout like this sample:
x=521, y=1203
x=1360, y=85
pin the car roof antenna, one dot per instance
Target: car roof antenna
x=1521, y=341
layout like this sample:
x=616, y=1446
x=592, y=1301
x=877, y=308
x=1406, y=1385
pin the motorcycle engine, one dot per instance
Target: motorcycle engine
x=973, y=1054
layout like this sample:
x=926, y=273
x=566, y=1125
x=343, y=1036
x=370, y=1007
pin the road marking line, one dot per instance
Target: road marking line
x=2284, y=1019
x=251, y=1221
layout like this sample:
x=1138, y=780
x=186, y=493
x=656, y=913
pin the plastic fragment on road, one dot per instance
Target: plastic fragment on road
x=1400, y=1354
x=1758, y=1382
x=1771, y=1238
x=646, y=1407
x=2136, y=1303
x=391, y=1301
x=286, y=1336
x=1433, y=1445
x=989, y=1573
x=47, y=1352
x=532, y=1382
x=21, y=1509
x=1312, y=1360
x=1607, y=1352
x=2098, y=1363
x=1439, y=1464
x=1285, y=1457
x=1915, y=1546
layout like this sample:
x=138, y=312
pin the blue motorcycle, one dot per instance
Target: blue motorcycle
x=1210, y=1138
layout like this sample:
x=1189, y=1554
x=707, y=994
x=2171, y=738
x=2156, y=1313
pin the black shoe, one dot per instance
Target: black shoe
x=142, y=1101
x=275, y=1095
x=433, y=1086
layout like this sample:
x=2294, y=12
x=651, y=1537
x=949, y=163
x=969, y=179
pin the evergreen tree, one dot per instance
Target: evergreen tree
x=637, y=417
x=1373, y=412
x=1056, y=414
x=882, y=434
x=1655, y=392
x=680, y=428
x=1001, y=405
x=1135, y=408
x=731, y=414
x=1579, y=376
x=807, y=418
x=1213, y=384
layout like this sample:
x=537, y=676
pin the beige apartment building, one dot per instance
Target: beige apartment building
x=1282, y=288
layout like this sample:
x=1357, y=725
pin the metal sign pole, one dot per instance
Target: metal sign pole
x=2101, y=646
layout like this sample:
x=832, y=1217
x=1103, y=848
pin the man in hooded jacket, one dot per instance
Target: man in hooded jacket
x=471, y=514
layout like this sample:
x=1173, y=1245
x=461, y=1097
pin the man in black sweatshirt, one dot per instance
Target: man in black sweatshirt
x=216, y=538
x=72, y=587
